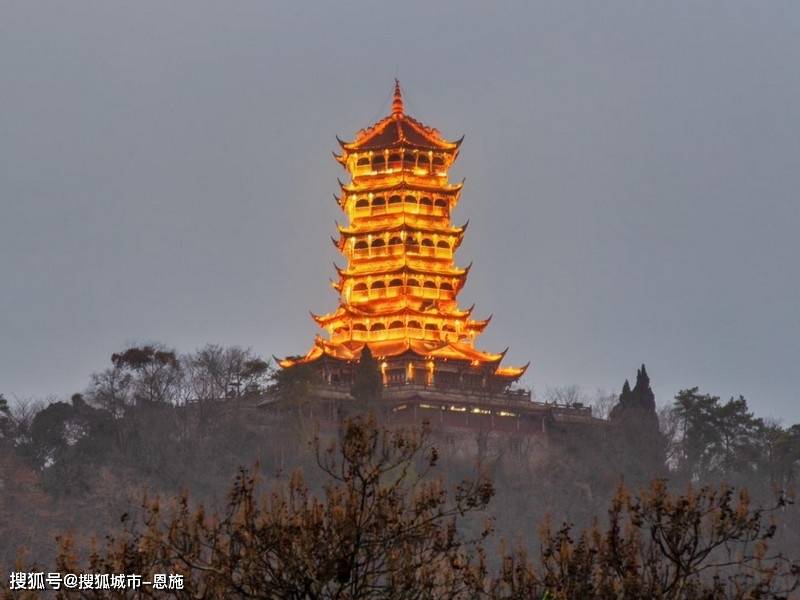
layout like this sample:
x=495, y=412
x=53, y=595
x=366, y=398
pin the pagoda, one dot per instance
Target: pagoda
x=398, y=292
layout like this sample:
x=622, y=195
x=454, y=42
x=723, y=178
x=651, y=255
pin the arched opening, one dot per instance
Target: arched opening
x=429, y=284
x=414, y=325
x=360, y=245
x=378, y=242
x=410, y=200
x=362, y=203
x=396, y=283
x=440, y=202
x=448, y=328
x=427, y=242
x=379, y=201
x=363, y=161
x=409, y=159
x=378, y=163
x=378, y=327
x=431, y=327
x=438, y=161
x=359, y=327
x=425, y=201
x=443, y=244
x=396, y=325
x=377, y=285
x=446, y=286
x=395, y=240
x=410, y=241
x=394, y=160
x=423, y=161
x=395, y=200
x=360, y=287
x=412, y=283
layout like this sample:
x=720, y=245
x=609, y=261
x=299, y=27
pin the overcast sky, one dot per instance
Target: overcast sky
x=632, y=180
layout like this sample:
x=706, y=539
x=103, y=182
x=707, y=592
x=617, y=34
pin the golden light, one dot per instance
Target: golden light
x=398, y=292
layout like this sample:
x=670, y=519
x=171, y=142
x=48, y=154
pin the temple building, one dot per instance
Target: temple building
x=398, y=293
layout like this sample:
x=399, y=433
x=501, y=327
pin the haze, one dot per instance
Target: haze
x=632, y=174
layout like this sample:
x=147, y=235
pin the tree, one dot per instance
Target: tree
x=384, y=528
x=367, y=382
x=637, y=438
x=705, y=544
x=157, y=370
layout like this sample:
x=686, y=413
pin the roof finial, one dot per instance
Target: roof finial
x=397, y=103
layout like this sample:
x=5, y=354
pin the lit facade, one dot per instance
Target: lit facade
x=398, y=292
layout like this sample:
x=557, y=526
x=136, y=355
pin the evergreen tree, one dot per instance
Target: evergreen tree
x=367, y=382
x=639, y=443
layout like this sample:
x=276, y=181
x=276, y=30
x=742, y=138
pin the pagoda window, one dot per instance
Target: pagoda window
x=395, y=240
x=427, y=242
x=438, y=161
x=440, y=202
x=412, y=283
x=396, y=283
x=378, y=327
x=360, y=287
x=378, y=162
x=395, y=200
x=394, y=160
x=363, y=161
x=379, y=201
x=431, y=327
x=426, y=201
x=359, y=327
x=377, y=243
x=410, y=158
x=362, y=203
x=446, y=286
x=410, y=241
x=340, y=330
x=423, y=160
x=414, y=325
x=443, y=244
x=410, y=200
x=378, y=285
x=429, y=284
x=396, y=325
x=361, y=245
x=449, y=328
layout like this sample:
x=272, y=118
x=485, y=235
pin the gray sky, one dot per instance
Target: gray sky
x=632, y=180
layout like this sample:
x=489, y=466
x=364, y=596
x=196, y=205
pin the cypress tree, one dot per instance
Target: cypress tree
x=367, y=382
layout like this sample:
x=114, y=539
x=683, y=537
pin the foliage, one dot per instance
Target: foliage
x=383, y=529
x=367, y=383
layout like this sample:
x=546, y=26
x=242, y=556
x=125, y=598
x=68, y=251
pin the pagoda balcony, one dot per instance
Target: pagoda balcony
x=396, y=208
x=397, y=168
x=426, y=293
x=396, y=250
x=397, y=333
x=508, y=399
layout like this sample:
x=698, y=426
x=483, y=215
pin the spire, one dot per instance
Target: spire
x=397, y=103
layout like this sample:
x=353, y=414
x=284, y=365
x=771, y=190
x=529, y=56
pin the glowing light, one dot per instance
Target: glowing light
x=399, y=288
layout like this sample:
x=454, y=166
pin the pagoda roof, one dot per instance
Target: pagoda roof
x=403, y=183
x=427, y=349
x=402, y=221
x=404, y=267
x=404, y=308
x=399, y=130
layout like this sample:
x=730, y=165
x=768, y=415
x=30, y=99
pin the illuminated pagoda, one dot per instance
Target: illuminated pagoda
x=398, y=292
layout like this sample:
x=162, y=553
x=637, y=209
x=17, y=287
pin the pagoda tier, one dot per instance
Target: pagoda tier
x=398, y=292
